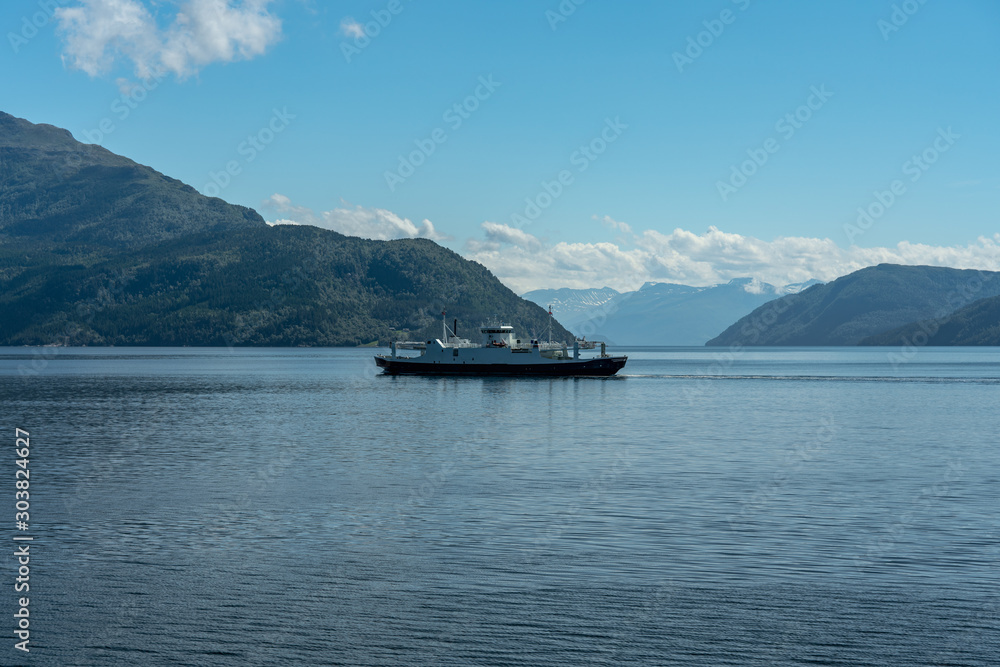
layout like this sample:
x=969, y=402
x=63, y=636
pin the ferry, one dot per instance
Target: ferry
x=499, y=353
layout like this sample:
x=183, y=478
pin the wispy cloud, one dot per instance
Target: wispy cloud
x=369, y=223
x=98, y=33
x=351, y=28
x=616, y=225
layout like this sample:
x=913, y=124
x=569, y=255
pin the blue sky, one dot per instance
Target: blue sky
x=599, y=143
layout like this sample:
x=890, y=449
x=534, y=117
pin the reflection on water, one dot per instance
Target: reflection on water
x=216, y=507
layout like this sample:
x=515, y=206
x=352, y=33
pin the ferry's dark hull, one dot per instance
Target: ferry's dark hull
x=599, y=367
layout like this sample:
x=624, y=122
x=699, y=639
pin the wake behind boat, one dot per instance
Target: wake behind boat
x=499, y=353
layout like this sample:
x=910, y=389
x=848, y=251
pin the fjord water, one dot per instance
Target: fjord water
x=262, y=506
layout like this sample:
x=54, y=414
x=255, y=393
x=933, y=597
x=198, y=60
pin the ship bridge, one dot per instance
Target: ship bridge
x=498, y=335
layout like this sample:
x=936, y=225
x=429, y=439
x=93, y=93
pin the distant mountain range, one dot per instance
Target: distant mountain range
x=573, y=306
x=96, y=249
x=879, y=305
x=659, y=313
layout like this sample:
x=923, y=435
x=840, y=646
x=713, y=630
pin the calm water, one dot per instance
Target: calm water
x=291, y=507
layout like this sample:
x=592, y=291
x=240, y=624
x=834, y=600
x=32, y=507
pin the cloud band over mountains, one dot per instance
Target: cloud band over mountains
x=525, y=262
x=688, y=258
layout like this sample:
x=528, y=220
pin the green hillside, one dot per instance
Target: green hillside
x=53, y=188
x=98, y=250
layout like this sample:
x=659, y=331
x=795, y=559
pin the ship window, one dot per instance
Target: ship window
x=454, y=352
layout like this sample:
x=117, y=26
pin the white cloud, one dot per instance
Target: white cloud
x=756, y=286
x=615, y=224
x=369, y=223
x=99, y=30
x=96, y=33
x=498, y=235
x=700, y=259
x=351, y=28
x=525, y=262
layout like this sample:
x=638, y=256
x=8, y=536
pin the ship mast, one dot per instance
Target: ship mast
x=550, y=322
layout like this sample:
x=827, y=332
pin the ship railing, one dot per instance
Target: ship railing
x=421, y=345
x=462, y=344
